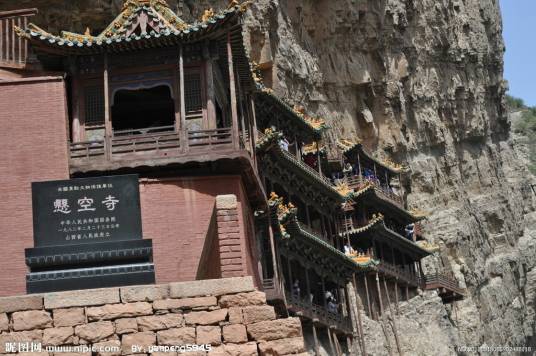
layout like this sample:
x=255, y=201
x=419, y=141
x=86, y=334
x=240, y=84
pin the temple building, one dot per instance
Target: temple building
x=233, y=180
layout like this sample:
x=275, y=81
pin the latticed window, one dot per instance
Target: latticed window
x=94, y=105
x=192, y=91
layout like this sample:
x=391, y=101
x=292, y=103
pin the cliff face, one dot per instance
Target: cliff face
x=421, y=82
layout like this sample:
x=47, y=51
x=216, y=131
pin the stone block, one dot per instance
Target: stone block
x=213, y=287
x=249, y=349
x=58, y=336
x=177, y=336
x=81, y=298
x=206, y=317
x=159, y=322
x=243, y=299
x=144, y=293
x=126, y=326
x=115, y=311
x=21, y=303
x=31, y=319
x=208, y=335
x=235, y=315
x=35, y=336
x=282, y=346
x=275, y=329
x=137, y=342
x=4, y=322
x=227, y=202
x=185, y=303
x=69, y=317
x=235, y=334
x=254, y=314
x=94, y=332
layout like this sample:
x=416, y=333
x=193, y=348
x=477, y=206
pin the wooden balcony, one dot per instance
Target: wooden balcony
x=358, y=182
x=395, y=272
x=447, y=287
x=154, y=147
x=319, y=314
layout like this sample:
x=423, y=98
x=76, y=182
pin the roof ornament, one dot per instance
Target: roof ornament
x=207, y=15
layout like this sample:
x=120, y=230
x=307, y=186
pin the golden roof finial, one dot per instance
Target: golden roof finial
x=88, y=32
x=207, y=15
x=233, y=3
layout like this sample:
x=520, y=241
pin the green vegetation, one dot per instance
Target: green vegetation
x=526, y=126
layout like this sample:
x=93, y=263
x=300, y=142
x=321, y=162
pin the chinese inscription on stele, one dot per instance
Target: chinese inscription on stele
x=86, y=210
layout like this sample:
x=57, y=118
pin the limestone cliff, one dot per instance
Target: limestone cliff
x=421, y=82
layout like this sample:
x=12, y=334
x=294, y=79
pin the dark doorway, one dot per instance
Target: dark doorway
x=143, y=111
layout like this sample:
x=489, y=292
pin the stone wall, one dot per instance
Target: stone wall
x=228, y=314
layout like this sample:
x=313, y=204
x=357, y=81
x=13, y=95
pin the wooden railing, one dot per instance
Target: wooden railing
x=14, y=49
x=150, y=143
x=306, y=167
x=442, y=280
x=399, y=273
x=357, y=182
x=87, y=149
x=210, y=138
x=313, y=311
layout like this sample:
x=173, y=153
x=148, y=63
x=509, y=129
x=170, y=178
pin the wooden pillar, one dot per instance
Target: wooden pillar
x=272, y=248
x=209, y=75
x=396, y=295
x=379, y=293
x=368, y=297
x=76, y=132
x=315, y=339
x=182, y=118
x=360, y=330
x=255, y=130
x=407, y=292
x=395, y=332
x=318, y=158
x=359, y=166
x=307, y=287
x=291, y=281
x=336, y=342
x=234, y=113
x=331, y=345
x=107, y=120
x=307, y=215
x=323, y=292
x=2, y=39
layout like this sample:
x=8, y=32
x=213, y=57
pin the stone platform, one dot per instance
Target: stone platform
x=228, y=314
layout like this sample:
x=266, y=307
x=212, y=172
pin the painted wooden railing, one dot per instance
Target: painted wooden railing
x=322, y=314
x=157, y=141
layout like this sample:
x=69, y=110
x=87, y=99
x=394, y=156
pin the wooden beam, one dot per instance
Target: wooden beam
x=211, y=98
x=379, y=294
x=368, y=297
x=315, y=338
x=1, y=40
x=76, y=94
x=232, y=85
x=107, y=119
x=332, y=347
x=182, y=126
x=272, y=248
x=360, y=330
x=395, y=332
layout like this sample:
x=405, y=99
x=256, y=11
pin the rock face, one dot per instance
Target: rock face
x=420, y=82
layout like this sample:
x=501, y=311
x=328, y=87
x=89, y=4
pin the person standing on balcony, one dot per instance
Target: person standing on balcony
x=296, y=288
x=410, y=229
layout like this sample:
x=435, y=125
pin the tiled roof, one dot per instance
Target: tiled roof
x=349, y=145
x=140, y=21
